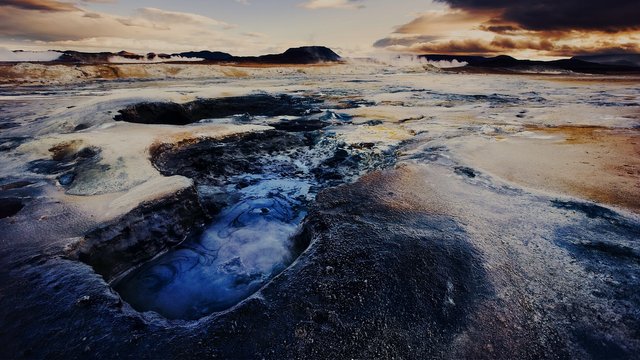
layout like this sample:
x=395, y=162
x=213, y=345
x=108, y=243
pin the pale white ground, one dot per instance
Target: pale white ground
x=131, y=178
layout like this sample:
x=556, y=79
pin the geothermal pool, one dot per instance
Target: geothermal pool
x=247, y=244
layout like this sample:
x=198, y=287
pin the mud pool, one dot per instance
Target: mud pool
x=247, y=244
x=342, y=212
x=259, y=209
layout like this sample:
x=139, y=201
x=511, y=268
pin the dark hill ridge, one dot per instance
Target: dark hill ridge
x=301, y=55
x=72, y=56
x=612, y=59
x=206, y=55
x=504, y=62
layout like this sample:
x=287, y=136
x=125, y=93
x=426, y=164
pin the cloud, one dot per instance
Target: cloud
x=254, y=34
x=597, y=48
x=443, y=22
x=475, y=27
x=619, y=15
x=500, y=29
x=174, y=17
x=40, y=5
x=526, y=46
x=333, y=4
x=146, y=29
x=464, y=46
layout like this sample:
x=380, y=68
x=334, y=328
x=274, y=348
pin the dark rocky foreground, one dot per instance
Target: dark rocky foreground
x=381, y=278
x=421, y=257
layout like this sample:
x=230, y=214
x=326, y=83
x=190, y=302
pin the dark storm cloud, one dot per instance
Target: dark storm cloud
x=40, y=5
x=609, y=16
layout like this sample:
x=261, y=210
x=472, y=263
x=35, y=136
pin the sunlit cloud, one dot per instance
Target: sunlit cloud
x=40, y=5
x=173, y=17
x=473, y=27
x=444, y=22
x=146, y=29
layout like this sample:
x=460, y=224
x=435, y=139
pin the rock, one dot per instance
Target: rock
x=373, y=122
x=300, y=125
x=249, y=105
x=81, y=127
x=465, y=171
x=155, y=113
x=330, y=115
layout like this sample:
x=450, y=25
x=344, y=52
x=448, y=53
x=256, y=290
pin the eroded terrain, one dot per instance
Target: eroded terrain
x=339, y=214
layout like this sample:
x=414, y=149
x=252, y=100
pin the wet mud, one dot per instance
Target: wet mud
x=182, y=114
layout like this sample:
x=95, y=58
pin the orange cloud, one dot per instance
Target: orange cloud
x=40, y=5
x=147, y=29
x=484, y=31
x=442, y=22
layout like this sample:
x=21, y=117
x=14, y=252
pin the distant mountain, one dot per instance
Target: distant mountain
x=301, y=55
x=206, y=55
x=504, y=62
x=612, y=59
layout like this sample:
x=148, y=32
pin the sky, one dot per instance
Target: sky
x=522, y=28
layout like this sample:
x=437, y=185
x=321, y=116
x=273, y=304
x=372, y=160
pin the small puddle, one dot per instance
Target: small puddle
x=248, y=243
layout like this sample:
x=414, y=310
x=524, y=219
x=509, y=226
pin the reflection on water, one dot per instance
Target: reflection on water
x=247, y=244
